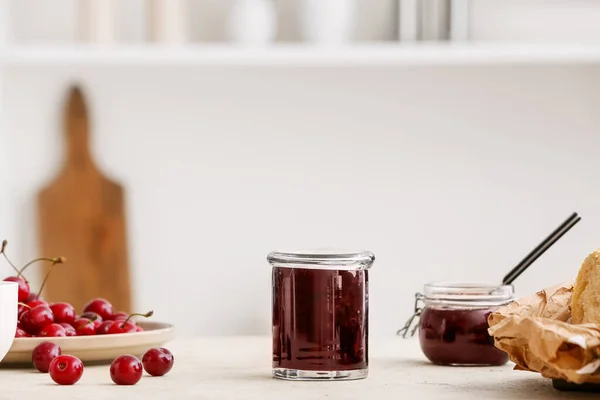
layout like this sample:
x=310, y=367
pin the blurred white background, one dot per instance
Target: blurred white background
x=443, y=171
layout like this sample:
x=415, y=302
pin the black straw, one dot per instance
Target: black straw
x=541, y=249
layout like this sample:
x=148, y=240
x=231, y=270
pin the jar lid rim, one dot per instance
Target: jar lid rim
x=322, y=256
x=466, y=291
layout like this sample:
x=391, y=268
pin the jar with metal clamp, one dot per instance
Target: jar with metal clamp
x=452, y=321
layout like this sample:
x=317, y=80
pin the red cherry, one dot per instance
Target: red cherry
x=21, y=333
x=21, y=309
x=34, y=303
x=66, y=369
x=121, y=315
x=126, y=370
x=43, y=354
x=23, y=287
x=104, y=327
x=101, y=307
x=158, y=361
x=84, y=327
x=32, y=321
x=121, y=327
x=52, y=330
x=126, y=326
x=63, y=312
x=92, y=316
x=69, y=330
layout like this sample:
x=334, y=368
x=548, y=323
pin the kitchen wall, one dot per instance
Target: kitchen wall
x=442, y=172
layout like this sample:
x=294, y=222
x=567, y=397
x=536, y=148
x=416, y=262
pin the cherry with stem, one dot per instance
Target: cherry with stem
x=24, y=305
x=85, y=326
x=55, y=260
x=126, y=326
x=87, y=321
x=147, y=315
x=24, y=290
x=21, y=308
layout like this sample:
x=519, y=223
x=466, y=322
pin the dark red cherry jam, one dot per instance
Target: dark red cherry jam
x=320, y=319
x=458, y=336
x=320, y=314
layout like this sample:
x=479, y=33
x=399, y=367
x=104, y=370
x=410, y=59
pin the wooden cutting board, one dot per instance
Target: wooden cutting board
x=81, y=217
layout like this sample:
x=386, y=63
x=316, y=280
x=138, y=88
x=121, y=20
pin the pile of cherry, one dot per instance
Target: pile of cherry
x=37, y=318
x=65, y=369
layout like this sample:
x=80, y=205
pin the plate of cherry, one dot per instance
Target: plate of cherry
x=98, y=333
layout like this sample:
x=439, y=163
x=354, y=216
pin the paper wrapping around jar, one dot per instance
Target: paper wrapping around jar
x=537, y=334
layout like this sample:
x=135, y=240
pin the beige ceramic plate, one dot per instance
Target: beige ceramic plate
x=95, y=349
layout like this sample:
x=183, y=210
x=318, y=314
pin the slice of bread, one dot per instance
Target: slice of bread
x=585, y=300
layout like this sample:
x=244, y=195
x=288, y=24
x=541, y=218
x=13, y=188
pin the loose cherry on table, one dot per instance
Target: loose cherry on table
x=63, y=312
x=66, y=369
x=158, y=361
x=52, y=330
x=43, y=354
x=126, y=370
x=101, y=307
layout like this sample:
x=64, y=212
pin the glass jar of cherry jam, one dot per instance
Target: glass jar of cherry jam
x=453, y=322
x=320, y=314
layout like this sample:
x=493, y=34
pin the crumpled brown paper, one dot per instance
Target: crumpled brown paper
x=537, y=334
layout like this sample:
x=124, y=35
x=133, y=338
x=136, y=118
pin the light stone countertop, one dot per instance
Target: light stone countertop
x=239, y=368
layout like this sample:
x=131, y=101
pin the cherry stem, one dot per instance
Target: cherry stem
x=4, y=244
x=24, y=305
x=90, y=321
x=147, y=315
x=55, y=261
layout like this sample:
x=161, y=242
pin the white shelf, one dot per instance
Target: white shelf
x=303, y=55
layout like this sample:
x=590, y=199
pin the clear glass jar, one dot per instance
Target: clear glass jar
x=320, y=314
x=453, y=322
